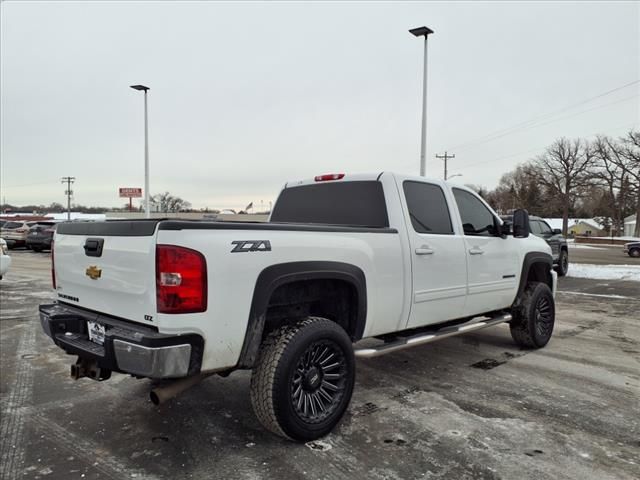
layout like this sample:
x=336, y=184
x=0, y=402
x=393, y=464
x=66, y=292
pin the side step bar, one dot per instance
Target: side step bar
x=422, y=338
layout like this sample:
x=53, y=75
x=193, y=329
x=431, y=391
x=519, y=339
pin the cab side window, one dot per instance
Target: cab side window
x=545, y=229
x=477, y=219
x=535, y=227
x=427, y=208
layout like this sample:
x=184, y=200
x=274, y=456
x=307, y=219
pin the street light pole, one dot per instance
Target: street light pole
x=147, y=211
x=423, y=32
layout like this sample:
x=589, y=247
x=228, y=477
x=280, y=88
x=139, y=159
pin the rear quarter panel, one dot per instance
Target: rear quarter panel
x=232, y=278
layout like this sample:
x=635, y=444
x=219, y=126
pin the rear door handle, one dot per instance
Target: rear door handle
x=476, y=251
x=424, y=250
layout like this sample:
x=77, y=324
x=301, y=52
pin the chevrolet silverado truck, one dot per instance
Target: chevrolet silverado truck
x=348, y=266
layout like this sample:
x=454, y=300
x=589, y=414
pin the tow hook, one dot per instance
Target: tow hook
x=90, y=369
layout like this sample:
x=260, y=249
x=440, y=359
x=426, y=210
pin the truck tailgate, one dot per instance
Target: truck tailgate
x=115, y=273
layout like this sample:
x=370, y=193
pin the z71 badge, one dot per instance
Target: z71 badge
x=251, y=246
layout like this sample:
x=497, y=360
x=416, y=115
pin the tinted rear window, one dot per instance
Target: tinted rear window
x=335, y=203
x=427, y=208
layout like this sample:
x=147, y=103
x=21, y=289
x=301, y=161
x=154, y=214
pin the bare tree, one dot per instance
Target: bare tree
x=518, y=188
x=629, y=159
x=610, y=173
x=563, y=170
x=165, y=202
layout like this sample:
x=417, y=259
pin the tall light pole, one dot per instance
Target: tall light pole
x=147, y=210
x=423, y=32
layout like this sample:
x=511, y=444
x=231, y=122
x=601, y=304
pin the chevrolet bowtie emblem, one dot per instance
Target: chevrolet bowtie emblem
x=93, y=272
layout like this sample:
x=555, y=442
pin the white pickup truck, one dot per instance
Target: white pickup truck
x=397, y=260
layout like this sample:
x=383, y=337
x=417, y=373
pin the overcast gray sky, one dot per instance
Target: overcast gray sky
x=245, y=96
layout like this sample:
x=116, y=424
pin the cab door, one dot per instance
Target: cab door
x=553, y=240
x=438, y=260
x=492, y=261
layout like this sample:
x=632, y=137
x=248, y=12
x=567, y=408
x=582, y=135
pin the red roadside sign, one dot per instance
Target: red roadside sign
x=129, y=192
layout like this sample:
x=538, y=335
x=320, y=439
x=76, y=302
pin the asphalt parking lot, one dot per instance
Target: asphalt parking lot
x=468, y=407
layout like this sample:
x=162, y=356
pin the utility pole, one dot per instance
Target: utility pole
x=68, y=192
x=445, y=157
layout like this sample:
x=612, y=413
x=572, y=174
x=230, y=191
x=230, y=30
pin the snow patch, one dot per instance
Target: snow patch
x=605, y=272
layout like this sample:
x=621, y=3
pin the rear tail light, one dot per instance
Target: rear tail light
x=53, y=268
x=329, y=176
x=181, y=280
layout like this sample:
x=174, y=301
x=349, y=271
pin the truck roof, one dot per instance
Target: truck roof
x=358, y=177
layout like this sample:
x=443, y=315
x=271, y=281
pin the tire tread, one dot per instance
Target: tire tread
x=265, y=371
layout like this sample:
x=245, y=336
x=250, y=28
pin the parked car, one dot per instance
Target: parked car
x=15, y=233
x=400, y=260
x=40, y=236
x=5, y=259
x=632, y=249
x=554, y=238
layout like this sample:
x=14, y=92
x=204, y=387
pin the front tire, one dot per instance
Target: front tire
x=563, y=263
x=304, y=378
x=634, y=252
x=534, y=318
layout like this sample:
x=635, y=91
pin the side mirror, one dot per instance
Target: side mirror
x=521, y=227
x=557, y=231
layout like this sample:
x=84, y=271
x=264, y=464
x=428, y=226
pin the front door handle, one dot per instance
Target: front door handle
x=476, y=251
x=424, y=250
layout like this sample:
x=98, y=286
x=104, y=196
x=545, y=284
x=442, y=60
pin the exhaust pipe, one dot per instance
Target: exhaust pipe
x=160, y=395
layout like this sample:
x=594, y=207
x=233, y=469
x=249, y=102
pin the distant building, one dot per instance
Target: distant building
x=580, y=226
x=629, y=225
x=587, y=227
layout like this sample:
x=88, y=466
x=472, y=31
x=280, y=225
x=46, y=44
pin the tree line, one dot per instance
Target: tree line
x=162, y=202
x=577, y=178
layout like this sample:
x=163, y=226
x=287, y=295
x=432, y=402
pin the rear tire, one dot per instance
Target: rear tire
x=303, y=380
x=634, y=252
x=534, y=318
x=563, y=263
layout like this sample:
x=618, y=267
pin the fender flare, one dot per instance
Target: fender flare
x=277, y=275
x=530, y=259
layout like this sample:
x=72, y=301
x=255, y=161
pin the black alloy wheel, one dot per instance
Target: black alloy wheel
x=543, y=317
x=303, y=378
x=318, y=381
x=533, y=316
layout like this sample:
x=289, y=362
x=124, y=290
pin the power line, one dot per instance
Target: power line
x=563, y=118
x=518, y=126
x=626, y=126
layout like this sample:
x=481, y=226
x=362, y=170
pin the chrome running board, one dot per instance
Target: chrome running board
x=477, y=323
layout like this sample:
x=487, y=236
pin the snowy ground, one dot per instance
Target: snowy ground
x=605, y=272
